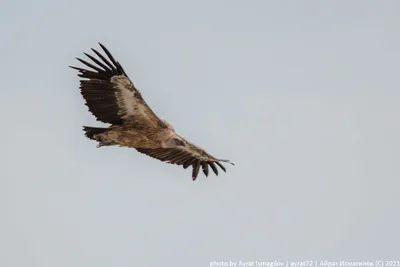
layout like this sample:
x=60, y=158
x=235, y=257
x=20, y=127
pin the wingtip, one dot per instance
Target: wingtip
x=102, y=46
x=80, y=60
x=75, y=68
x=226, y=161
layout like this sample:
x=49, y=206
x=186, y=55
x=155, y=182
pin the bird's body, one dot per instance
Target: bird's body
x=112, y=98
x=130, y=136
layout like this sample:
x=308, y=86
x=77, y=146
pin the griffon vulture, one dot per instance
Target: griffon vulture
x=112, y=98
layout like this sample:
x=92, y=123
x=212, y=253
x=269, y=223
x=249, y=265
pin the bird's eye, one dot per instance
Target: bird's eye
x=179, y=142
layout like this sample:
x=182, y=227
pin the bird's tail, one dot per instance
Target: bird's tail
x=91, y=131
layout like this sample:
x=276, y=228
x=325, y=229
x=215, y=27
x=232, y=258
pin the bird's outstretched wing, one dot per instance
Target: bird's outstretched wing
x=110, y=94
x=189, y=155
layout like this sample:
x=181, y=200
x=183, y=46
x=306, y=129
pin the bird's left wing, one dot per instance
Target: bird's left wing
x=189, y=155
x=110, y=94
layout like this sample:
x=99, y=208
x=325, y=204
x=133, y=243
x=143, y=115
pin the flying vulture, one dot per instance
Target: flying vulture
x=112, y=98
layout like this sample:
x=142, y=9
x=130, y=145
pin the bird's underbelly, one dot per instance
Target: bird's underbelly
x=133, y=138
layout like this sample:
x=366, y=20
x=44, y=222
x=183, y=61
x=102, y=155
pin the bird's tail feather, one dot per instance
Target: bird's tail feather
x=91, y=131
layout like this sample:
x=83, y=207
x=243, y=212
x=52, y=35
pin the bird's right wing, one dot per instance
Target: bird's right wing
x=110, y=94
x=189, y=155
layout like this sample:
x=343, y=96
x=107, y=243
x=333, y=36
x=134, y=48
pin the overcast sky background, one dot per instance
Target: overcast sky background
x=302, y=95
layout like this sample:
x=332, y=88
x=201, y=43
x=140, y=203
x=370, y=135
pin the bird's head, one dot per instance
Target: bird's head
x=174, y=142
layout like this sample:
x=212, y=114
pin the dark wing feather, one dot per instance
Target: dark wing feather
x=110, y=94
x=214, y=168
x=186, y=156
x=196, y=168
x=204, y=166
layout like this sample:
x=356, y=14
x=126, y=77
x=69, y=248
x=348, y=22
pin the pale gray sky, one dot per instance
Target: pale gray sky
x=302, y=95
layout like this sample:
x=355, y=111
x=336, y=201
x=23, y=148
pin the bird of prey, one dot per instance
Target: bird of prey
x=112, y=98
